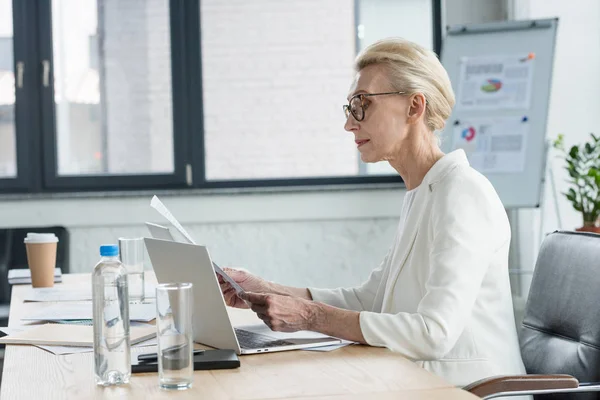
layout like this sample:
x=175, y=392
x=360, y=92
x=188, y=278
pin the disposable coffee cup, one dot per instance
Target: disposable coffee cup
x=41, y=257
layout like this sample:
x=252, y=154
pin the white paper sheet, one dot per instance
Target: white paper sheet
x=19, y=276
x=70, y=293
x=63, y=350
x=68, y=311
x=329, y=348
x=495, y=82
x=162, y=210
x=493, y=145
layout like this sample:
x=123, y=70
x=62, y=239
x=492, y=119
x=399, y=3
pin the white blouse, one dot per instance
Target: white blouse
x=441, y=296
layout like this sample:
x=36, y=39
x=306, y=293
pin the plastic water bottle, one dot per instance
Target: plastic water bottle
x=110, y=298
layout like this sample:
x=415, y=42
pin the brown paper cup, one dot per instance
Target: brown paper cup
x=42, y=261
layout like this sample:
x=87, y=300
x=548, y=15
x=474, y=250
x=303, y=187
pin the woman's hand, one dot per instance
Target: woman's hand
x=247, y=281
x=283, y=313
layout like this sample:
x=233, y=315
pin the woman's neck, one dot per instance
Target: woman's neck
x=417, y=158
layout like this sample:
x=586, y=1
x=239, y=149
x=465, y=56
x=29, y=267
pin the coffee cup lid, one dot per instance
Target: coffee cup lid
x=41, y=238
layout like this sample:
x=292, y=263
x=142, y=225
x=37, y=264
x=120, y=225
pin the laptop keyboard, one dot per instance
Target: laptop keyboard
x=252, y=340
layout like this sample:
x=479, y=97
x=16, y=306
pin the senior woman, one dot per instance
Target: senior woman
x=441, y=296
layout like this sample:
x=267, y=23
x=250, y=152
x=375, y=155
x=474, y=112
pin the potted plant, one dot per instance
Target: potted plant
x=583, y=166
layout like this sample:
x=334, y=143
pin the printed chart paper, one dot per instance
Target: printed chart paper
x=493, y=145
x=495, y=82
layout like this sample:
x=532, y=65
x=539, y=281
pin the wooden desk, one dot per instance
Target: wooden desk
x=354, y=372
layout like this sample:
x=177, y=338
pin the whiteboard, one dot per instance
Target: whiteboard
x=520, y=187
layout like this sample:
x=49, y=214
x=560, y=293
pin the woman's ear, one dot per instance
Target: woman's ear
x=416, y=109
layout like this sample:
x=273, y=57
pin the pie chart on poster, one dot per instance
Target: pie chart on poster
x=468, y=134
x=491, y=85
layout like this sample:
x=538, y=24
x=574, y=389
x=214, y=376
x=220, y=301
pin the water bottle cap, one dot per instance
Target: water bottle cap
x=109, y=250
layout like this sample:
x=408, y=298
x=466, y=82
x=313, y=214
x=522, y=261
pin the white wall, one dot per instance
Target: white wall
x=323, y=238
x=573, y=106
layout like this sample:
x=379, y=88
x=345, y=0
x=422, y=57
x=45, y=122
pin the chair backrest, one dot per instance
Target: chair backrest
x=561, y=327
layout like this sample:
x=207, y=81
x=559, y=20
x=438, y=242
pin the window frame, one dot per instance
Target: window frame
x=25, y=108
x=55, y=182
x=195, y=54
x=37, y=167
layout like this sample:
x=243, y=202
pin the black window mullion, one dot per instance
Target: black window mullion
x=436, y=11
x=179, y=81
x=46, y=93
x=26, y=112
x=193, y=52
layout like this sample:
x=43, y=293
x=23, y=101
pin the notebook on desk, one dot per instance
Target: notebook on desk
x=22, y=276
x=70, y=335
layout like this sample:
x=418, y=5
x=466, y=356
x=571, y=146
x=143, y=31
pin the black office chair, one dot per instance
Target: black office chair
x=13, y=255
x=560, y=333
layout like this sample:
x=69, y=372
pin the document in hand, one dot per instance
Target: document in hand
x=70, y=335
x=162, y=210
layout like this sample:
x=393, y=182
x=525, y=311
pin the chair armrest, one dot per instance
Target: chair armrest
x=514, y=383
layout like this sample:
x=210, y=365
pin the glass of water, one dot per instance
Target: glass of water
x=131, y=251
x=174, y=332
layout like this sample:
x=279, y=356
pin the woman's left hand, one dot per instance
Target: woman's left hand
x=282, y=313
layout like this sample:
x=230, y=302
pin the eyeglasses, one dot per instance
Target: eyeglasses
x=358, y=104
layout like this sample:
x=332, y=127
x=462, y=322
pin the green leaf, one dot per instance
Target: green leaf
x=573, y=174
x=559, y=143
x=571, y=192
x=574, y=152
x=588, y=148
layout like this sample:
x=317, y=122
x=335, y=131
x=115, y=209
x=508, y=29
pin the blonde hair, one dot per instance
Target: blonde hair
x=413, y=69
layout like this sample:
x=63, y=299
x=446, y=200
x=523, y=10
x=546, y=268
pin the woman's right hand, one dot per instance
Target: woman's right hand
x=246, y=280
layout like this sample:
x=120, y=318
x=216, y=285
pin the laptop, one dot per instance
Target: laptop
x=159, y=231
x=183, y=262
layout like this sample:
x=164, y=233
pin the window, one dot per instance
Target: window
x=378, y=19
x=173, y=94
x=8, y=150
x=112, y=87
x=274, y=82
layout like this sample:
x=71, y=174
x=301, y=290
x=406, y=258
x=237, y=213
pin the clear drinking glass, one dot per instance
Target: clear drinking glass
x=174, y=332
x=131, y=251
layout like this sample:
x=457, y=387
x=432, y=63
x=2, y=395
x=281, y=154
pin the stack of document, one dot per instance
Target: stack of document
x=77, y=311
x=141, y=334
x=69, y=335
x=70, y=293
x=20, y=276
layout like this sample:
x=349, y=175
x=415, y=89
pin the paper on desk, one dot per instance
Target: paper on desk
x=18, y=276
x=162, y=210
x=70, y=293
x=330, y=347
x=68, y=311
x=63, y=350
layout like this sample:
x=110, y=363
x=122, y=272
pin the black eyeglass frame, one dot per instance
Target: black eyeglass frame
x=348, y=108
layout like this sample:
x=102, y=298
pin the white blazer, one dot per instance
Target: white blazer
x=441, y=296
